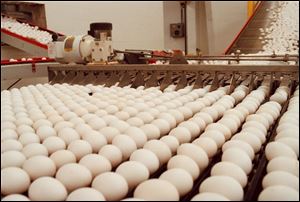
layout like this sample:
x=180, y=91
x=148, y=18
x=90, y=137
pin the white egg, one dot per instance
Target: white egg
x=39, y=166
x=219, y=127
x=112, y=185
x=207, y=144
x=241, y=145
x=62, y=157
x=182, y=134
x=80, y=148
x=238, y=157
x=12, y=159
x=134, y=173
x=224, y=185
x=281, y=178
x=17, y=181
x=160, y=149
x=283, y=163
x=86, y=193
x=68, y=135
x=137, y=135
x=11, y=145
x=125, y=144
x=146, y=157
x=96, y=163
x=163, y=126
x=194, y=152
x=276, y=149
x=172, y=142
x=216, y=135
x=151, y=131
x=55, y=190
x=231, y=170
x=96, y=140
x=186, y=163
x=74, y=176
x=34, y=149
x=279, y=192
x=157, y=189
x=209, y=196
x=112, y=153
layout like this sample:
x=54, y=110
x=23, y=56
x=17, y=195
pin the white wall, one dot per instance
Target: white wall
x=135, y=24
x=224, y=20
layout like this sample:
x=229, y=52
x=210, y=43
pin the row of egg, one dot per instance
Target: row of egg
x=185, y=166
x=49, y=169
x=282, y=179
x=188, y=158
x=25, y=30
x=229, y=177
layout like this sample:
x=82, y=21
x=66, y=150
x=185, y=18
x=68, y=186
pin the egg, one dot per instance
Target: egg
x=238, y=157
x=62, y=157
x=177, y=115
x=193, y=128
x=109, y=133
x=146, y=157
x=47, y=188
x=14, y=181
x=160, y=149
x=224, y=185
x=194, y=152
x=15, y=197
x=109, y=119
x=96, y=140
x=34, y=149
x=180, y=178
x=42, y=122
x=134, y=173
x=219, y=127
x=134, y=121
x=283, y=163
x=163, y=125
x=85, y=194
x=171, y=141
x=207, y=144
x=216, y=135
x=7, y=134
x=112, y=185
x=151, y=131
x=207, y=118
x=256, y=132
x=294, y=145
x=28, y=138
x=146, y=117
x=68, y=135
x=209, y=196
x=53, y=144
x=230, y=123
x=122, y=126
x=260, y=118
x=276, y=149
x=281, y=178
x=241, y=145
x=249, y=138
x=82, y=129
x=231, y=170
x=137, y=135
x=96, y=163
x=12, y=159
x=11, y=145
x=186, y=163
x=59, y=126
x=74, y=176
x=112, y=153
x=182, y=134
x=279, y=193
x=156, y=189
x=288, y=133
x=125, y=144
x=187, y=112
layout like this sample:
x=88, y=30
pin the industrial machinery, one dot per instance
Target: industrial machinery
x=93, y=48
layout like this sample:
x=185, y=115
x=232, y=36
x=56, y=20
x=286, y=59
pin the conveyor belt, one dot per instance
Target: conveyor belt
x=247, y=40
